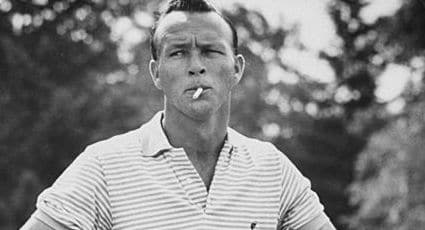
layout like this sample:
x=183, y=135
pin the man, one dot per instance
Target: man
x=184, y=169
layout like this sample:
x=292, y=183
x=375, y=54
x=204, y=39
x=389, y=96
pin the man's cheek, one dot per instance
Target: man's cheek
x=228, y=77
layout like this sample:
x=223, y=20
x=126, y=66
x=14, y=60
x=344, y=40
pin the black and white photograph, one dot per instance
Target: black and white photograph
x=212, y=114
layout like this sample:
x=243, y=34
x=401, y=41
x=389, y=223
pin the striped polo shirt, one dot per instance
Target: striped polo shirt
x=137, y=180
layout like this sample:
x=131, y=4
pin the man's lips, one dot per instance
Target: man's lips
x=196, y=87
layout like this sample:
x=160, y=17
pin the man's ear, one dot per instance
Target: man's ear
x=239, y=68
x=153, y=70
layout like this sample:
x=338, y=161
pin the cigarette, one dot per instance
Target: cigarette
x=197, y=93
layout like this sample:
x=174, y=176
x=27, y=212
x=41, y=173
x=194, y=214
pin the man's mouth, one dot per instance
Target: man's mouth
x=197, y=87
x=197, y=91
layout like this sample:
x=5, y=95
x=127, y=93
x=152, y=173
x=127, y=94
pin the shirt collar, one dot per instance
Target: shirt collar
x=154, y=141
x=153, y=138
x=234, y=138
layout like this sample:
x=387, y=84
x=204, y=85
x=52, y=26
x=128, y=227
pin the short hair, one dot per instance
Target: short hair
x=195, y=6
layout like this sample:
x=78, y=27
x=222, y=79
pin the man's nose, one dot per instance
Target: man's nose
x=196, y=66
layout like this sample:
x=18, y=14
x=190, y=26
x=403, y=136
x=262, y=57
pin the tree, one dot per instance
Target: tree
x=59, y=92
x=389, y=177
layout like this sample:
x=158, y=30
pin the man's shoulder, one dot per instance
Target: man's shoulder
x=257, y=148
x=121, y=143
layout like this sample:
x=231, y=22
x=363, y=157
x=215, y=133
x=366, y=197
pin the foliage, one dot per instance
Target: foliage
x=389, y=177
x=55, y=60
x=388, y=185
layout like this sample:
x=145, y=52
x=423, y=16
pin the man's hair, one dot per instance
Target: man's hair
x=193, y=6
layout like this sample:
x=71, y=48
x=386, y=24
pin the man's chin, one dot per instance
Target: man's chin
x=201, y=112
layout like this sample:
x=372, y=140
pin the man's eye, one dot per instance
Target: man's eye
x=213, y=51
x=176, y=53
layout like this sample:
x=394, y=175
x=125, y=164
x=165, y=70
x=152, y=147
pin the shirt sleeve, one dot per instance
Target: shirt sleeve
x=78, y=199
x=47, y=220
x=299, y=205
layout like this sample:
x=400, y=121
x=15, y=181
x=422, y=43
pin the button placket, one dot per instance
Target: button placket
x=188, y=178
x=223, y=163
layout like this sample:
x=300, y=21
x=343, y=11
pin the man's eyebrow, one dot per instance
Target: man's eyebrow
x=175, y=38
x=183, y=43
x=180, y=45
x=217, y=45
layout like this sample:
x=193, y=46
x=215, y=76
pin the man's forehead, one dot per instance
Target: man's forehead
x=181, y=26
x=183, y=38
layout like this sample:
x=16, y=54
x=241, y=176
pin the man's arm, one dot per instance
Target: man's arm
x=35, y=224
x=315, y=225
x=328, y=226
x=40, y=221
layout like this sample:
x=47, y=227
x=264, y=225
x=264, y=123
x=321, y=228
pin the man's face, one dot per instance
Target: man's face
x=195, y=50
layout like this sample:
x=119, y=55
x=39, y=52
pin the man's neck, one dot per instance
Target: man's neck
x=199, y=137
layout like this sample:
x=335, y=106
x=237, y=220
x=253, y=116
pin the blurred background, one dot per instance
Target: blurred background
x=337, y=85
